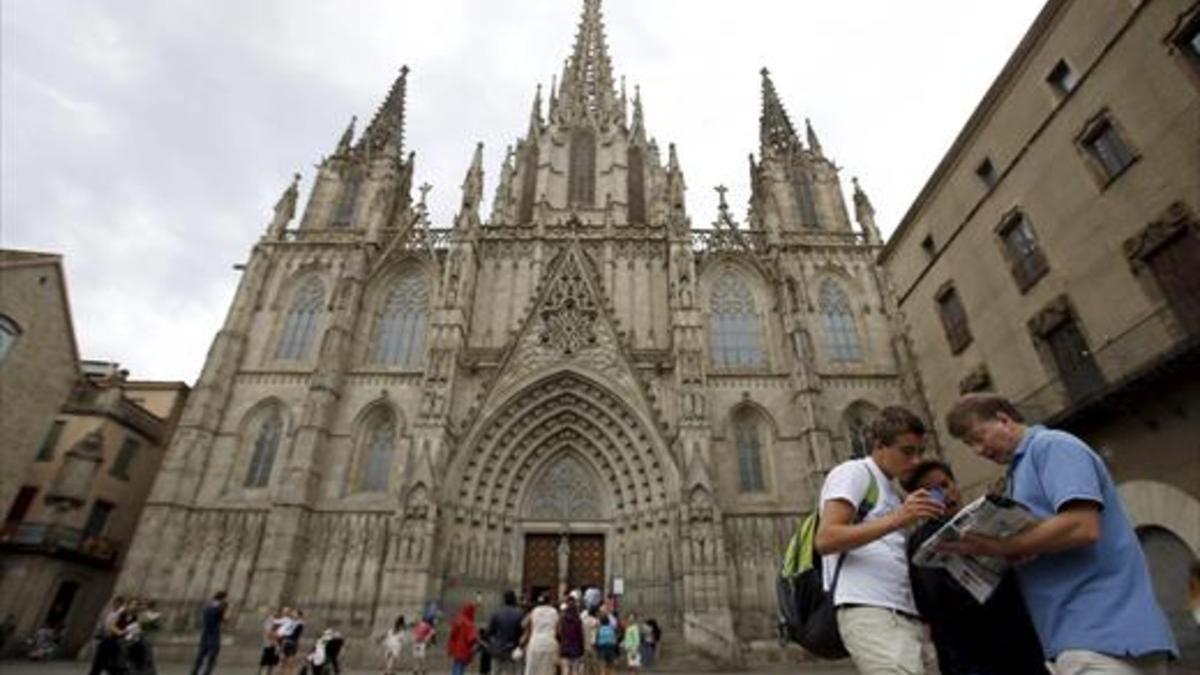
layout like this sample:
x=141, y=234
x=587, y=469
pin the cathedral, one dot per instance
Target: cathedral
x=579, y=388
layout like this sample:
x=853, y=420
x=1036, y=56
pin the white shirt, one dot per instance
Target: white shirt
x=874, y=574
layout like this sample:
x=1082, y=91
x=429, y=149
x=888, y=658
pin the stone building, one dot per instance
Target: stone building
x=80, y=496
x=580, y=388
x=1054, y=257
x=39, y=362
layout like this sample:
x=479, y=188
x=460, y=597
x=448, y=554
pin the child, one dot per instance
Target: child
x=483, y=646
x=422, y=636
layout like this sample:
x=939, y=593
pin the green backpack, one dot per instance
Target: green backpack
x=807, y=615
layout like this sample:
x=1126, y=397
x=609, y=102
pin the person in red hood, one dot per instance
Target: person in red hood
x=461, y=646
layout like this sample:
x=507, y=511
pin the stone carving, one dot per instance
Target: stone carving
x=566, y=491
x=569, y=311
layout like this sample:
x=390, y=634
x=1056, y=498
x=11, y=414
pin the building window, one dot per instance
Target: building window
x=301, y=323
x=343, y=215
x=806, y=201
x=402, y=324
x=97, y=519
x=986, y=172
x=20, y=506
x=50, y=441
x=1187, y=40
x=1169, y=249
x=125, y=457
x=1107, y=149
x=1021, y=248
x=377, y=456
x=1062, y=79
x=736, y=328
x=635, y=185
x=928, y=246
x=954, y=319
x=749, y=451
x=841, y=332
x=1064, y=347
x=9, y=332
x=582, y=182
x=529, y=168
x=266, y=445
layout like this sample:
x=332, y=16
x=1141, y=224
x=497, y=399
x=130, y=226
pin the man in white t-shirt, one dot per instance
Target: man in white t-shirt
x=876, y=615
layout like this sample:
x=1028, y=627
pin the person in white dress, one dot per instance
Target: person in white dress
x=541, y=644
x=395, y=642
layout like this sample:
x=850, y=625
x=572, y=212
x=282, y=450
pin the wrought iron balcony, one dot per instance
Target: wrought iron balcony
x=58, y=540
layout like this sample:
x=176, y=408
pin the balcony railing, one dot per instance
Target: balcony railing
x=58, y=539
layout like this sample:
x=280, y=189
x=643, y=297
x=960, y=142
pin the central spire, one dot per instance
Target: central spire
x=776, y=132
x=587, y=88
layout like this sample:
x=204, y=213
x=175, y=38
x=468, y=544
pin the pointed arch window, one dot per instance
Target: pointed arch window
x=378, y=448
x=301, y=323
x=528, y=184
x=747, y=436
x=403, y=321
x=736, y=327
x=582, y=181
x=266, y=446
x=841, y=333
x=343, y=215
x=804, y=197
x=635, y=185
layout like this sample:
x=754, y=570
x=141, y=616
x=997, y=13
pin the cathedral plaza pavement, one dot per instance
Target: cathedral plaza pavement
x=77, y=667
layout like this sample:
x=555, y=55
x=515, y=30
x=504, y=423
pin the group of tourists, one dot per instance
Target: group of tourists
x=281, y=632
x=124, y=638
x=584, y=635
x=1078, y=597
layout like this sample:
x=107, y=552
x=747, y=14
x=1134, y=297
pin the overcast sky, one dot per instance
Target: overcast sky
x=147, y=141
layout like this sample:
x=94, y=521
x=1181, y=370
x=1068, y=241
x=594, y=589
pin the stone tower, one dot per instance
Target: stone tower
x=579, y=390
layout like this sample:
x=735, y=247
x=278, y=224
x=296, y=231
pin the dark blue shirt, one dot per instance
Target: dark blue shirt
x=210, y=620
x=1097, y=597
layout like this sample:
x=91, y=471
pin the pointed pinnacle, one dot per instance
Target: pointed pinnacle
x=387, y=126
x=587, y=83
x=860, y=197
x=813, y=143
x=347, y=136
x=775, y=128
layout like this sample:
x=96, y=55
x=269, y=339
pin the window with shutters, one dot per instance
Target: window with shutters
x=97, y=519
x=954, y=318
x=1106, y=149
x=1024, y=255
x=735, y=324
x=125, y=457
x=841, y=330
x=50, y=441
x=1169, y=251
x=1065, y=349
x=300, y=326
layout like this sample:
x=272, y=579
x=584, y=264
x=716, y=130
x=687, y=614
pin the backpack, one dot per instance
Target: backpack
x=807, y=614
x=606, y=635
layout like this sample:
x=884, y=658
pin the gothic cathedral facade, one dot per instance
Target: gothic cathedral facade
x=581, y=389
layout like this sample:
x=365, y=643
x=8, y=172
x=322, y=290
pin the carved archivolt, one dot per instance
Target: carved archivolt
x=569, y=416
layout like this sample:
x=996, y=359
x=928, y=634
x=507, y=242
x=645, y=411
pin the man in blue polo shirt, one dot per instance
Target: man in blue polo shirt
x=1085, y=578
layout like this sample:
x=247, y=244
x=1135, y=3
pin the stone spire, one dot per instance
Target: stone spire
x=814, y=143
x=347, y=138
x=473, y=184
x=535, y=113
x=864, y=213
x=587, y=88
x=386, y=130
x=637, y=129
x=776, y=132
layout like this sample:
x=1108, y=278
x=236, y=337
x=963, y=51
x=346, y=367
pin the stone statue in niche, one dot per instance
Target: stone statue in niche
x=564, y=560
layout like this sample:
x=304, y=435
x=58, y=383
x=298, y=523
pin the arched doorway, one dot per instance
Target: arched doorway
x=1170, y=559
x=564, y=484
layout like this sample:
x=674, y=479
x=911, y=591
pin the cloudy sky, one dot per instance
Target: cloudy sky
x=147, y=141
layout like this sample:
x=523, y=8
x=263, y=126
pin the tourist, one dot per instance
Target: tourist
x=107, y=657
x=651, y=634
x=269, y=658
x=539, y=642
x=463, y=635
x=1084, y=575
x=954, y=615
x=395, y=641
x=607, y=647
x=591, y=624
x=570, y=638
x=483, y=647
x=863, y=518
x=423, y=635
x=504, y=633
x=212, y=616
x=288, y=633
x=631, y=642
